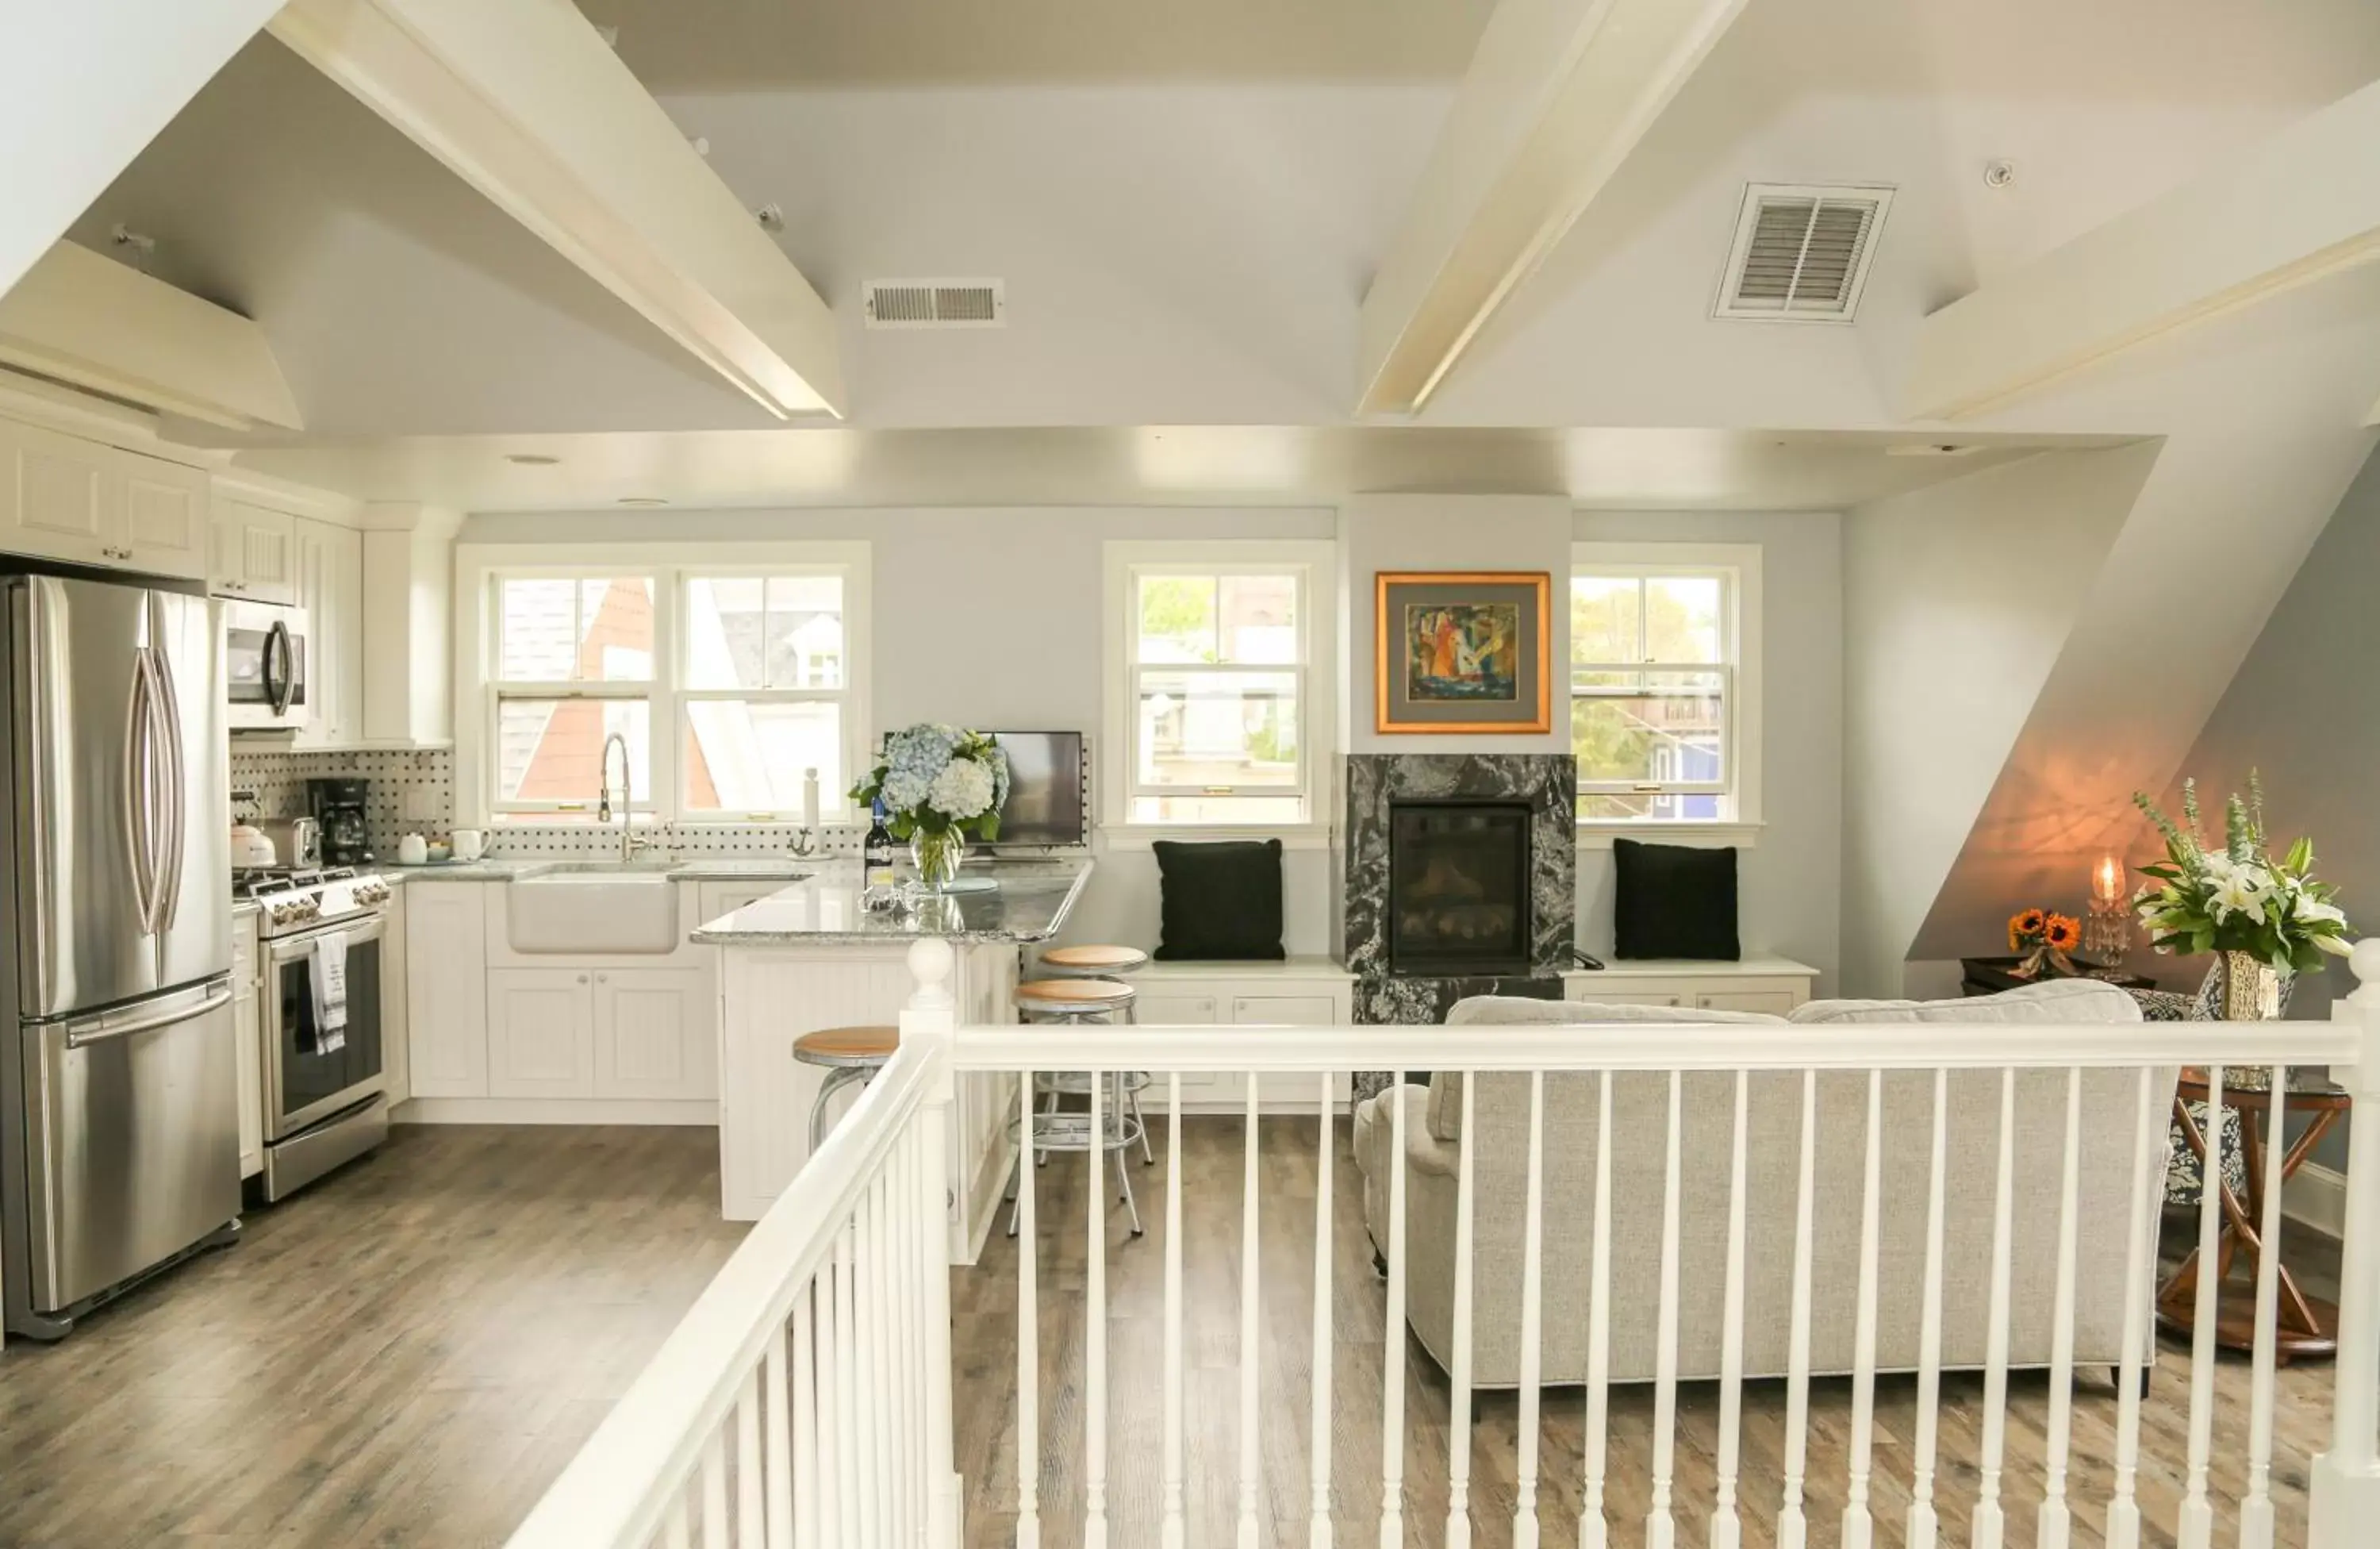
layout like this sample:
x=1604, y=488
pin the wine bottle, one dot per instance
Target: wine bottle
x=876, y=861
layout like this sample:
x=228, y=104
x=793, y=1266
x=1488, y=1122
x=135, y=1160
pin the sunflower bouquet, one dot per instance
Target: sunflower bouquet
x=2045, y=940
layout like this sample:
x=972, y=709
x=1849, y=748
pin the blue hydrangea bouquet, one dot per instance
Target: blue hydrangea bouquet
x=940, y=785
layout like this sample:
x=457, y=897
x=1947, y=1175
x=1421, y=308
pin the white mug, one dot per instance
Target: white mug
x=413, y=850
x=469, y=844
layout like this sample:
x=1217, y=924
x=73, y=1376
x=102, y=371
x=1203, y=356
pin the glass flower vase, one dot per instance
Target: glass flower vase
x=937, y=856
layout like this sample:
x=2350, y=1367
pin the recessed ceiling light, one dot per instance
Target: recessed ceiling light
x=531, y=460
x=642, y=500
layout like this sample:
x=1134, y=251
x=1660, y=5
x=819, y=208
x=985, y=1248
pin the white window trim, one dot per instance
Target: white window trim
x=477, y=566
x=1316, y=563
x=1742, y=560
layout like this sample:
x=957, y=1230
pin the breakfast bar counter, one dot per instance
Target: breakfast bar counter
x=809, y=957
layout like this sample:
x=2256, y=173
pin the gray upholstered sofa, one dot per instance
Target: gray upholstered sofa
x=1434, y=1138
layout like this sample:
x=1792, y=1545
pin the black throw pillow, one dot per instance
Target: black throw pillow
x=1675, y=901
x=1220, y=901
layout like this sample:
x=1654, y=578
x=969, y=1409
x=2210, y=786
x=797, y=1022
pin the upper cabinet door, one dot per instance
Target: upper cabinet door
x=164, y=517
x=255, y=553
x=57, y=498
x=330, y=587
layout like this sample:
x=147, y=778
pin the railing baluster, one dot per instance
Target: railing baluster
x=900, y=1250
x=2256, y=1509
x=868, y=1288
x=1251, y=1355
x=792, y=1434
x=1318, y=1534
x=1990, y=1520
x=1171, y=1528
x=680, y=1530
x=1792, y=1521
x=1859, y=1523
x=1028, y=1330
x=1660, y=1522
x=715, y=1489
x=1727, y=1522
x=850, y=1520
x=1094, y=1337
x=2054, y=1527
x=2194, y=1528
x=1533, y=1253
x=1392, y=1359
x=751, y=1526
x=1594, y=1530
x=2140, y=1248
x=1458, y=1420
x=1925, y=1524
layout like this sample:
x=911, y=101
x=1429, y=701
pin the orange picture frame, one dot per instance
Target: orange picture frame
x=1471, y=628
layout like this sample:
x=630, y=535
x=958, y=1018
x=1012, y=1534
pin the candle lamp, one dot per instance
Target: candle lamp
x=2107, y=928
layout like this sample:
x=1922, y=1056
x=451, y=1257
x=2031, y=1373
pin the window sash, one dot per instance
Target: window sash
x=1644, y=672
x=644, y=801
x=1275, y=790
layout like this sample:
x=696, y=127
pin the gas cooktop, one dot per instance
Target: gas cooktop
x=290, y=898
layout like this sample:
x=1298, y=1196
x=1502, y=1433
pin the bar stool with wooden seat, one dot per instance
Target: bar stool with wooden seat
x=1077, y=1001
x=1101, y=960
x=848, y=1055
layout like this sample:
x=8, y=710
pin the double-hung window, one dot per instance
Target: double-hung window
x=574, y=663
x=729, y=676
x=1663, y=709
x=1220, y=696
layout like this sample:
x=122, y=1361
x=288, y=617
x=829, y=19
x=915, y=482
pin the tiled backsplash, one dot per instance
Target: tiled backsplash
x=414, y=793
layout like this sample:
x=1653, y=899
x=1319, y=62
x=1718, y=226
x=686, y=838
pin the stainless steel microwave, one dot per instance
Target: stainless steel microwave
x=267, y=667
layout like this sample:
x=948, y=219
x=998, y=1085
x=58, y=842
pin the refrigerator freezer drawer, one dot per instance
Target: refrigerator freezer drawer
x=134, y=1151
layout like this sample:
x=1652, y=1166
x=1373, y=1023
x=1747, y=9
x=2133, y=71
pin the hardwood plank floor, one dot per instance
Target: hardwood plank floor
x=985, y=1349
x=404, y=1355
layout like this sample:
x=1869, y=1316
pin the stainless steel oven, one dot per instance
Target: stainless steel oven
x=268, y=662
x=324, y=1098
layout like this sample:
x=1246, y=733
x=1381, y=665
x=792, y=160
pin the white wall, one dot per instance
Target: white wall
x=1956, y=601
x=991, y=619
x=1789, y=877
x=1446, y=532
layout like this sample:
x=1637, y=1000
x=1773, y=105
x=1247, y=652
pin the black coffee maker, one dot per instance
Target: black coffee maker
x=338, y=806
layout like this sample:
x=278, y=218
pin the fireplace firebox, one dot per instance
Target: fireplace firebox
x=1459, y=888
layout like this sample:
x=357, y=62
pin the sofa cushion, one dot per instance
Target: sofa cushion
x=2054, y=1000
x=1445, y=1117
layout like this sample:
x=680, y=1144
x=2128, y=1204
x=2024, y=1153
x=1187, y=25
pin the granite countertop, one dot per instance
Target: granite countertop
x=713, y=869
x=1030, y=902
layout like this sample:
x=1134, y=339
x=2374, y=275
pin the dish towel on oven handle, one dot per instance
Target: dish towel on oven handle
x=330, y=982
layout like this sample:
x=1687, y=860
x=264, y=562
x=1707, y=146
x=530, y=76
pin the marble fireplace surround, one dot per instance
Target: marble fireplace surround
x=1548, y=782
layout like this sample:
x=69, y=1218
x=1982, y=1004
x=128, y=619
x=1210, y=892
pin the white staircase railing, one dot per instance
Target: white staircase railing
x=807, y=1399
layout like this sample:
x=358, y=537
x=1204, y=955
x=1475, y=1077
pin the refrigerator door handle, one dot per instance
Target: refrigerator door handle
x=106, y=1032
x=167, y=700
x=139, y=838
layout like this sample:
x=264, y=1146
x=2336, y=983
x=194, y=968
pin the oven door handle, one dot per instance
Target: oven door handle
x=290, y=949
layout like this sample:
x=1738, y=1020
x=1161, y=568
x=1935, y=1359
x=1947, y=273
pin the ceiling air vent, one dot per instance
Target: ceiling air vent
x=936, y=304
x=1802, y=252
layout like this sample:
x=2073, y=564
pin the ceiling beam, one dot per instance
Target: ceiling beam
x=80, y=318
x=524, y=101
x=83, y=87
x=1557, y=96
x=2302, y=205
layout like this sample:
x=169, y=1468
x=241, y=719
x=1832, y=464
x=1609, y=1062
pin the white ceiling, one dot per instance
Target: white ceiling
x=1185, y=199
x=1121, y=465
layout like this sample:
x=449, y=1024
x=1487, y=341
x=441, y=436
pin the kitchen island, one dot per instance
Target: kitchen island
x=810, y=957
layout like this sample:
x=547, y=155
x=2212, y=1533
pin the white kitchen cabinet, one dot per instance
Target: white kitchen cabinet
x=62, y=497
x=255, y=553
x=409, y=675
x=396, y=1044
x=247, y=1041
x=446, y=987
x=329, y=584
x=1772, y=987
x=541, y=1032
x=653, y=1033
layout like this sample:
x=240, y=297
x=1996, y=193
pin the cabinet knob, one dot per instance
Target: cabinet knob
x=582, y=979
x=602, y=979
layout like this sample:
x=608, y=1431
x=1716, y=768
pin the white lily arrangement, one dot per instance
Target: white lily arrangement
x=2238, y=897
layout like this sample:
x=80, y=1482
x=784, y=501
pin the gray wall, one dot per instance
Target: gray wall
x=2305, y=711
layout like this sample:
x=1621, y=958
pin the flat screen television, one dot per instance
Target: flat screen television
x=1047, y=801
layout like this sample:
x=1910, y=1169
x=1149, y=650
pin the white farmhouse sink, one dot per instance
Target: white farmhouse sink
x=584, y=914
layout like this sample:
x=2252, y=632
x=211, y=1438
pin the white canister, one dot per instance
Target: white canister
x=469, y=844
x=413, y=850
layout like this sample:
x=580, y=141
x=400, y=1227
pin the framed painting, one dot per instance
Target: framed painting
x=1464, y=652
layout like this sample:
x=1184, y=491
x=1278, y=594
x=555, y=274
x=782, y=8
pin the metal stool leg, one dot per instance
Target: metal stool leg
x=836, y=1079
x=1123, y=1173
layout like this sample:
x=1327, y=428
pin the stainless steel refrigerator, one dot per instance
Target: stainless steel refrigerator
x=119, y=1120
